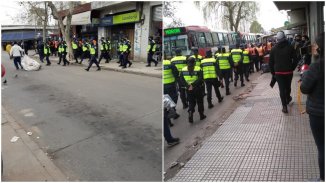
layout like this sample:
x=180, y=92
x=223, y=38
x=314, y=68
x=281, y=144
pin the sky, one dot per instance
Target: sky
x=268, y=16
x=8, y=10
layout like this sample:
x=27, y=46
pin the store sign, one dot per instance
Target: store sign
x=106, y=21
x=172, y=31
x=126, y=18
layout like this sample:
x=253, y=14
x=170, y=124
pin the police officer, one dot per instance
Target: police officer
x=191, y=79
x=170, y=76
x=75, y=49
x=246, y=62
x=108, y=50
x=64, y=53
x=103, y=48
x=86, y=50
x=237, y=58
x=209, y=68
x=93, y=51
x=180, y=62
x=120, y=52
x=60, y=52
x=47, y=52
x=126, y=51
x=224, y=63
x=151, y=48
x=198, y=59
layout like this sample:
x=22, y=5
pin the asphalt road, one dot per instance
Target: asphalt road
x=97, y=125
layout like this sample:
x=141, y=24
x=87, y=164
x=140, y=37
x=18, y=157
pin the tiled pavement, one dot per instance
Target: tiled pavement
x=258, y=143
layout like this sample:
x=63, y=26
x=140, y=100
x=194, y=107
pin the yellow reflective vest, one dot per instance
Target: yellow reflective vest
x=168, y=77
x=246, y=59
x=179, y=62
x=208, y=67
x=223, y=61
x=236, y=55
x=74, y=46
x=190, y=78
x=198, y=59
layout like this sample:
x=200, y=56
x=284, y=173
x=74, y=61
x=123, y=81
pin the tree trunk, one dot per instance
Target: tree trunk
x=45, y=22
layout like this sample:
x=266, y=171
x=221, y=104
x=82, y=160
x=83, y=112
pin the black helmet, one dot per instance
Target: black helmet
x=208, y=54
x=178, y=51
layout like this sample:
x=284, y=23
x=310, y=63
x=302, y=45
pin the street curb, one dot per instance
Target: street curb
x=119, y=70
x=43, y=159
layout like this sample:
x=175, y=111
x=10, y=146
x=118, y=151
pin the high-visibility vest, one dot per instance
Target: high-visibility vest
x=103, y=46
x=186, y=75
x=179, y=62
x=59, y=49
x=85, y=47
x=198, y=59
x=167, y=73
x=74, y=46
x=236, y=55
x=223, y=61
x=124, y=47
x=269, y=46
x=208, y=67
x=108, y=45
x=46, y=50
x=121, y=47
x=246, y=59
x=149, y=47
x=260, y=51
x=92, y=50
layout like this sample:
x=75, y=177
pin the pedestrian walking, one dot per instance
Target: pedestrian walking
x=40, y=50
x=108, y=50
x=93, y=51
x=246, y=62
x=180, y=62
x=313, y=84
x=47, y=53
x=103, y=48
x=120, y=52
x=64, y=54
x=86, y=51
x=224, y=63
x=198, y=59
x=254, y=57
x=282, y=62
x=237, y=58
x=191, y=79
x=16, y=52
x=60, y=50
x=151, y=48
x=210, y=73
x=126, y=51
x=74, y=45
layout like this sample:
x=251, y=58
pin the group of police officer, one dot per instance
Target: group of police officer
x=190, y=75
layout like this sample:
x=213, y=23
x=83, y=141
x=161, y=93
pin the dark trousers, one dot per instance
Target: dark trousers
x=260, y=59
x=85, y=55
x=209, y=84
x=121, y=59
x=47, y=59
x=238, y=71
x=167, y=133
x=41, y=57
x=256, y=62
x=126, y=59
x=182, y=92
x=225, y=74
x=171, y=90
x=246, y=69
x=60, y=58
x=64, y=58
x=150, y=58
x=195, y=97
x=76, y=55
x=17, y=61
x=284, y=85
x=103, y=55
x=93, y=61
x=317, y=124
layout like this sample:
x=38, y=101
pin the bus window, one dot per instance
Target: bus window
x=209, y=39
x=215, y=39
x=193, y=40
x=201, y=40
x=225, y=37
x=220, y=37
x=230, y=39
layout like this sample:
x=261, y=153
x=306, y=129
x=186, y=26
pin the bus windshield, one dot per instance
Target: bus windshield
x=173, y=42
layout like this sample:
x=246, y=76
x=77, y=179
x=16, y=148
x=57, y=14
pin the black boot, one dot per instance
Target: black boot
x=242, y=84
x=228, y=92
x=289, y=100
x=235, y=83
x=202, y=116
x=185, y=106
x=191, y=118
x=285, y=109
x=220, y=99
x=210, y=105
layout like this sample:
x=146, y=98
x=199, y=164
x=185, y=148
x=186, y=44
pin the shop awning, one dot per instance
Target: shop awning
x=80, y=19
x=18, y=35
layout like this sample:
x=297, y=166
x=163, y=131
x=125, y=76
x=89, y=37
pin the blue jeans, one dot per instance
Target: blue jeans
x=317, y=125
x=17, y=61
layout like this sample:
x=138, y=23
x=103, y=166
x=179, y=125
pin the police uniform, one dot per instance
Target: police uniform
x=151, y=48
x=225, y=64
x=64, y=54
x=180, y=62
x=126, y=51
x=93, y=58
x=120, y=52
x=237, y=57
x=209, y=68
x=75, y=50
x=198, y=58
x=170, y=76
x=246, y=63
x=108, y=51
x=60, y=53
x=47, y=52
x=195, y=96
x=103, y=48
x=86, y=51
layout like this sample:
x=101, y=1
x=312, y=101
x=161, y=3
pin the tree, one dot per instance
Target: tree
x=256, y=27
x=169, y=10
x=233, y=12
x=66, y=33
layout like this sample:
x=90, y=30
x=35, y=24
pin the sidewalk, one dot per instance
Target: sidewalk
x=23, y=160
x=257, y=142
x=136, y=68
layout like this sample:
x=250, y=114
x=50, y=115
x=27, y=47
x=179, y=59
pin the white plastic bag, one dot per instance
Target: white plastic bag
x=168, y=102
x=30, y=64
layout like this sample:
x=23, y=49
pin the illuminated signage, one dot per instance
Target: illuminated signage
x=172, y=31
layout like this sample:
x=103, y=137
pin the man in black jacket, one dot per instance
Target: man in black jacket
x=313, y=84
x=282, y=63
